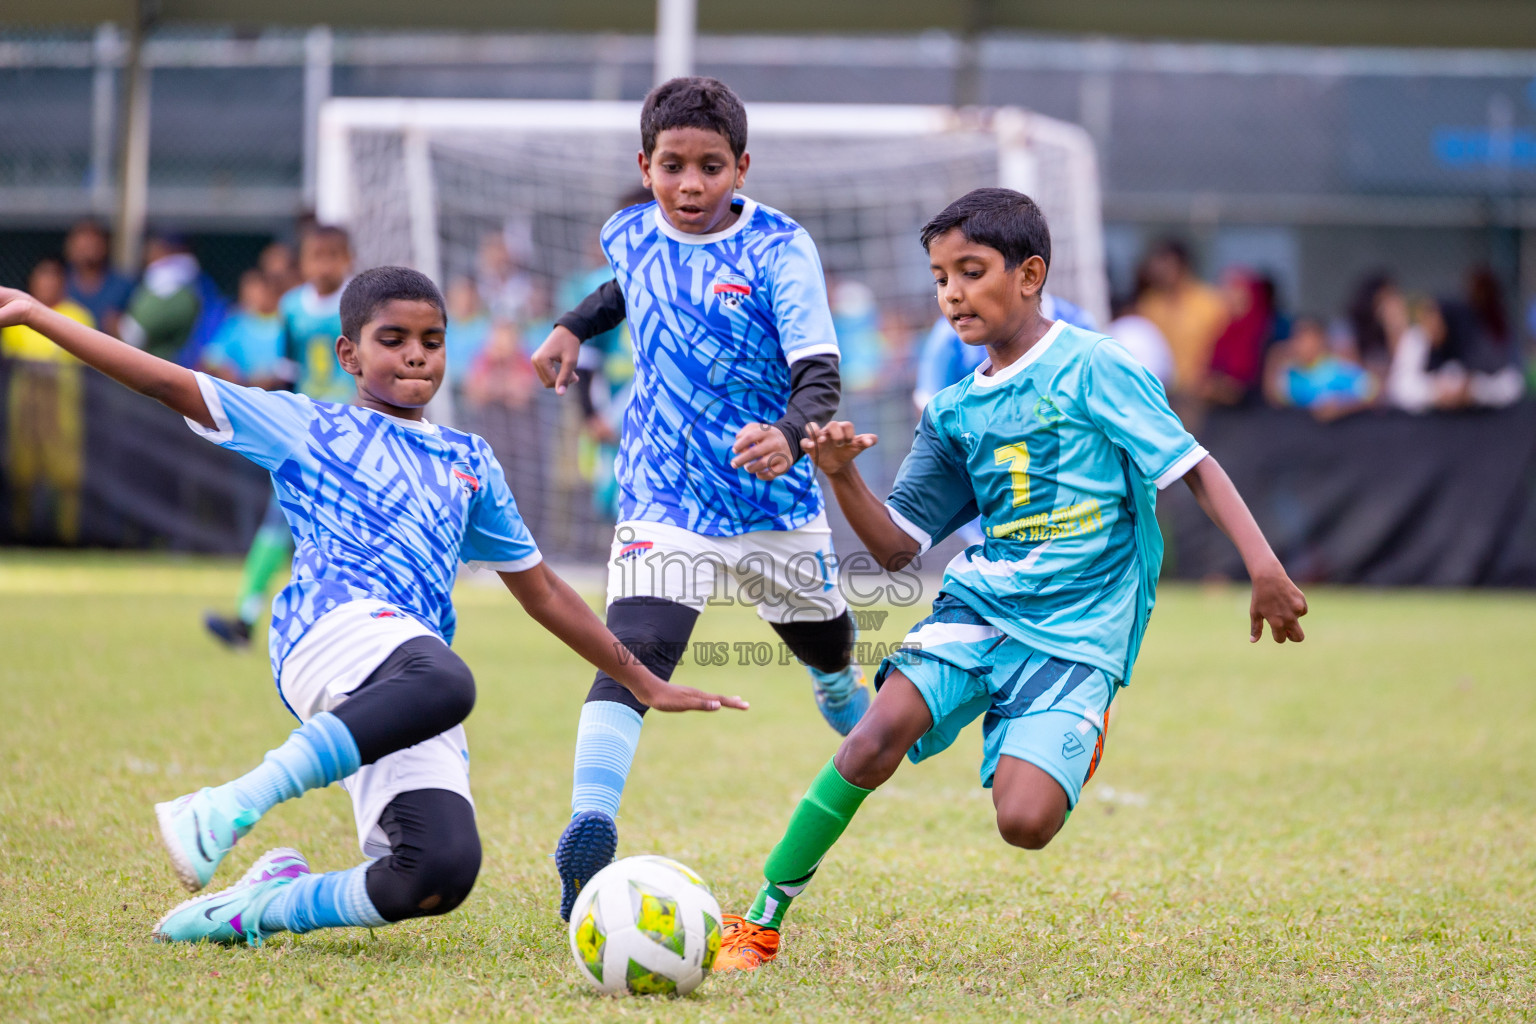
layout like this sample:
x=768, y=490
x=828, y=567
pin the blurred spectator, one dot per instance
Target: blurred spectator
x=248, y=348
x=506, y=287
x=1377, y=314
x=1237, y=357
x=1423, y=374
x=311, y=315
x=1303, y=373
x=44, y=430
x=860, y=342
x=501, y=375
x=48, y=283
x=1143, y=340
x=92, y=281
x=176, y=309
x=1189, y=313
x=469, y=328
x=280, y=266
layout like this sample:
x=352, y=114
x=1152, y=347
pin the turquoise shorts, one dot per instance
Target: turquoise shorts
x=1044, y=710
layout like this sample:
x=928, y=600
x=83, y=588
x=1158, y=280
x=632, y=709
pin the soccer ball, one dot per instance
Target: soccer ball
x=645, y=925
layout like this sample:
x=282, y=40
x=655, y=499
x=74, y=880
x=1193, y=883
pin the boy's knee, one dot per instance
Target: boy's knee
x=1029, y=828
x=824, y=646
x=423, y=883
x=867, y=757
x=455, y=685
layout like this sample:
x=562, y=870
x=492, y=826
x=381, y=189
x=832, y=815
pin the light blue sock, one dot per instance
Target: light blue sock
x=316, y=754
x=606, y=739
x=838, y=686
x=336, y=899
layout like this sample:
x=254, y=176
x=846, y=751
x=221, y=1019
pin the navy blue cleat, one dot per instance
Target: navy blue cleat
x=586, y=847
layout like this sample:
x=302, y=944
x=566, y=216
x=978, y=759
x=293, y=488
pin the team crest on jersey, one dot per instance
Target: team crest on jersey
x=1047, y=412
x=731, y=289
x=467, y=480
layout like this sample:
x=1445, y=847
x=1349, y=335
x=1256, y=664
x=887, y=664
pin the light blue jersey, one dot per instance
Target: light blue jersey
x=311, y=325
x=380, y=507
x=1060, y=453
x=716, y=321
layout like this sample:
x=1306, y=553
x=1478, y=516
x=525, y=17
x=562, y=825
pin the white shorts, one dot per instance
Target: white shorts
x=788, y=575
x=330, y=661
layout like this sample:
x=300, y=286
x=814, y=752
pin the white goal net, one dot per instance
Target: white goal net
x=425, y=183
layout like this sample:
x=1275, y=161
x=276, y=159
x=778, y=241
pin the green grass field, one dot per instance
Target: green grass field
x=1337, y=831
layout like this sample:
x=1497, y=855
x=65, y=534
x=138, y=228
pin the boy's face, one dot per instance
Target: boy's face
x=399, y=360
x=257, y=295
x=694, y=176
x=324, y=263
x=985, y=303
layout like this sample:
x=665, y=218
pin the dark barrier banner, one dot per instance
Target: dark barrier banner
x=86, y=462
x=1383, y=499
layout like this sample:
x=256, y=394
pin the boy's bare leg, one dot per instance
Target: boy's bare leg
x=870, y=755
x=1031, y=805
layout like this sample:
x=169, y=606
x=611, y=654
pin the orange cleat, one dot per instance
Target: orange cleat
x=745, y=946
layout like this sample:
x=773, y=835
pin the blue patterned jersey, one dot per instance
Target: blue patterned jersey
x=380, y=507
x=716, y=321
x=311, y=325
x=1061, y=454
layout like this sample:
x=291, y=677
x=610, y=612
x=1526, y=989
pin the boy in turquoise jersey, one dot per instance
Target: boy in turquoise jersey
x=310, y=317
x=1060, y=441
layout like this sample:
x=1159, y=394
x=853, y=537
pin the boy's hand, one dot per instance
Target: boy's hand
x=15, y=307
x=555, y=360
x=1277, y=601
x=833, y=447
x=658, y=695
x=762, y=451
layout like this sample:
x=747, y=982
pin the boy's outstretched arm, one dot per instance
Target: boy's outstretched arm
x=559, y=609
x=832, y=450
x=171, y=385
x=1276, y=599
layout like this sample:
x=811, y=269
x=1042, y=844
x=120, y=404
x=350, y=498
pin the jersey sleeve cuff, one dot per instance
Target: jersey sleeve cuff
x=911, y=529
x=516, y=565
x=222, y=431
x=827, y=349
x=1183, y=465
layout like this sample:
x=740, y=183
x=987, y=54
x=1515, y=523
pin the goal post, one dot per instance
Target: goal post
x=407, y=175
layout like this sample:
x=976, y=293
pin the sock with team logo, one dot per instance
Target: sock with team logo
x=818, y=821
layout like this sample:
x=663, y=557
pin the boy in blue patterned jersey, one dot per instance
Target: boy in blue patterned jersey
x=734, y=353
x=1060, y=440
x=384, y=506
x=310, y=319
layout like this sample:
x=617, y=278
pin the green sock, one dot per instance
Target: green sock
x=271, y=548
x=820, y=818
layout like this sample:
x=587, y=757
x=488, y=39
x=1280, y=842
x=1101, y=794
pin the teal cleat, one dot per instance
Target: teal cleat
x=842, y=710
x=234, y=915
x=198, y=832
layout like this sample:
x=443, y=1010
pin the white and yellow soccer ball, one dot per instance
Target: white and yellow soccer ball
x=645, y=926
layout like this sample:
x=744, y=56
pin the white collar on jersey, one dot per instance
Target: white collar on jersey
x=1014, y=368
x=748, y=208
x=316, y=304
x=423, y=425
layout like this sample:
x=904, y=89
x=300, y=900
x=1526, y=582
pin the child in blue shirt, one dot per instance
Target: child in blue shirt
x=383, y=507
x=735, y=352
x=1060, y=440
